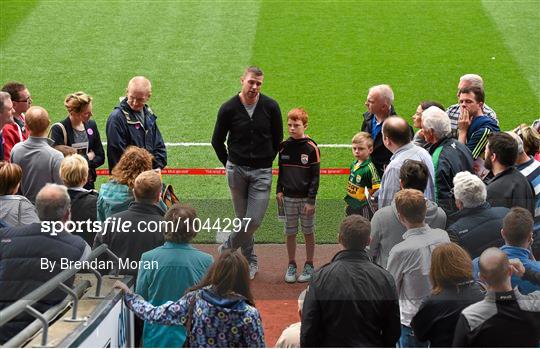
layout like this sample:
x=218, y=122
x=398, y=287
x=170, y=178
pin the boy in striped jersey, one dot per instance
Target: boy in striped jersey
x=363, y=176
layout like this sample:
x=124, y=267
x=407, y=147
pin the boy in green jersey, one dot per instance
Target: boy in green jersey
x=363, y=175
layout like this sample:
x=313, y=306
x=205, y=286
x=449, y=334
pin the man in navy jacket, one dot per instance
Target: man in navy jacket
x=132, y=122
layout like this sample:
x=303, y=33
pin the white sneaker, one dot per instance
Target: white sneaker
x=253, y=269
x=290, y=275
x=307, y=273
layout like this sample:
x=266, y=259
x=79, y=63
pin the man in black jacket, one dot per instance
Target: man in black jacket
x=31, y=255
x=132, y=122
x=351, y=302
x=477, y=225
x=252, y=125
x=508, y=187
x=504, y=311
x=379, y=103
x=449, y=156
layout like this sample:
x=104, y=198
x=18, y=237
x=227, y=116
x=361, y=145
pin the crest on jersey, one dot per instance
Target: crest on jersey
x=304, y=158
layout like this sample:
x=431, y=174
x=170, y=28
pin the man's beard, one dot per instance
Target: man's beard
x=487, y=162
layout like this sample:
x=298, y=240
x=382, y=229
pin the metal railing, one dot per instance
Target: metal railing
x=57, y=282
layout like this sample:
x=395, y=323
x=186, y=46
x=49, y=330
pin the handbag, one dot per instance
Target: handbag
x=189, y=321
x=168, y=196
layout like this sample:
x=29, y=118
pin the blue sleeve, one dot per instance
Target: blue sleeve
x=253, y=330
x=476, y=269
x=477, y=142
x=170, y=313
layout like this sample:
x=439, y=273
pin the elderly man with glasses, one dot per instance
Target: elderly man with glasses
x=132, y=122
x=15, y=131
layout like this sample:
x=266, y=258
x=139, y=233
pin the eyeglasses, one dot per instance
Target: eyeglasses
x=27, y=100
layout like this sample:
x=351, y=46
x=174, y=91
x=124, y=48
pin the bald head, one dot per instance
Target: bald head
x=140, y=83
x=396, y=129
x=37, y=121
x=53, y=202
x=138, y=92
x=494, y=267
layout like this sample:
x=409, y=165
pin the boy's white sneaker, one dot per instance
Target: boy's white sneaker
x=290, y=275
x=307, y=273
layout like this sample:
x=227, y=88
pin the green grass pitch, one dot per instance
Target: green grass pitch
x=321, y=55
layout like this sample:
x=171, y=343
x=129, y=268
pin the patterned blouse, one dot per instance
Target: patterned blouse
x=216, y=322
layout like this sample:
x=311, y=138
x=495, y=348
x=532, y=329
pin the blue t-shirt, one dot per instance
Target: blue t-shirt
x=375, y=127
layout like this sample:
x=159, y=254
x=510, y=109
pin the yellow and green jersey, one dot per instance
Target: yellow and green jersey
x=362, y=175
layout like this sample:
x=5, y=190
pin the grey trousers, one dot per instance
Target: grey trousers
x=250, y=192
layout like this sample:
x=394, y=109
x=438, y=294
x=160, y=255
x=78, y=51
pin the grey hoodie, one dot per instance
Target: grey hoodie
x=387, y=230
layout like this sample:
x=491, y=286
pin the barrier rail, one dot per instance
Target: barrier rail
x=25, y=304
x=221, y=171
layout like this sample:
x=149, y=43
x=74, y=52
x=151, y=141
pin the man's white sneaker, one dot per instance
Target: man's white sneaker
x=253, y=269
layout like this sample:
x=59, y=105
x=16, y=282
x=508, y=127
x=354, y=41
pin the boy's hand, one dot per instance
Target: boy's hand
x=122, y=287
x=279, y=197
x=309, y=209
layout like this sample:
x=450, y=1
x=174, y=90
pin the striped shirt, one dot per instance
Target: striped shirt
x=531, y=170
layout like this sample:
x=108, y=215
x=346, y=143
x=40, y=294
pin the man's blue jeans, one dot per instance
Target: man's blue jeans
x=408, y=340
x=250, y=192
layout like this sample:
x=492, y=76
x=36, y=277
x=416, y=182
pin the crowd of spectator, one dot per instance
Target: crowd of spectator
x=439, y=245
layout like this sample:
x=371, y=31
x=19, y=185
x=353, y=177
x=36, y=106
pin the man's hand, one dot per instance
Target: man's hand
x=517, y=267
x=279, y=197
x=464, y=120
x=91, y=155
x=122, y=287
x=309, y=209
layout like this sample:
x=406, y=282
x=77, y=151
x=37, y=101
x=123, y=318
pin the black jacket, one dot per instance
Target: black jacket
x=351, y=302
x=94, y=144
x=131, y=244
x=252, y=142
x=510, y=188
x=299, y=167
x=478, y=228
x=502, y=319
x=437, y=317
x=84, y=208
x=21, y=251
x=124, y=129
x=453, y=157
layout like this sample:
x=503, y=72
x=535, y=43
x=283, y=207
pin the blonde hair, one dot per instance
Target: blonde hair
x=74, y=170
x=77, y=101
x=147, y=185
x=10, y=177
x=363, y=137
